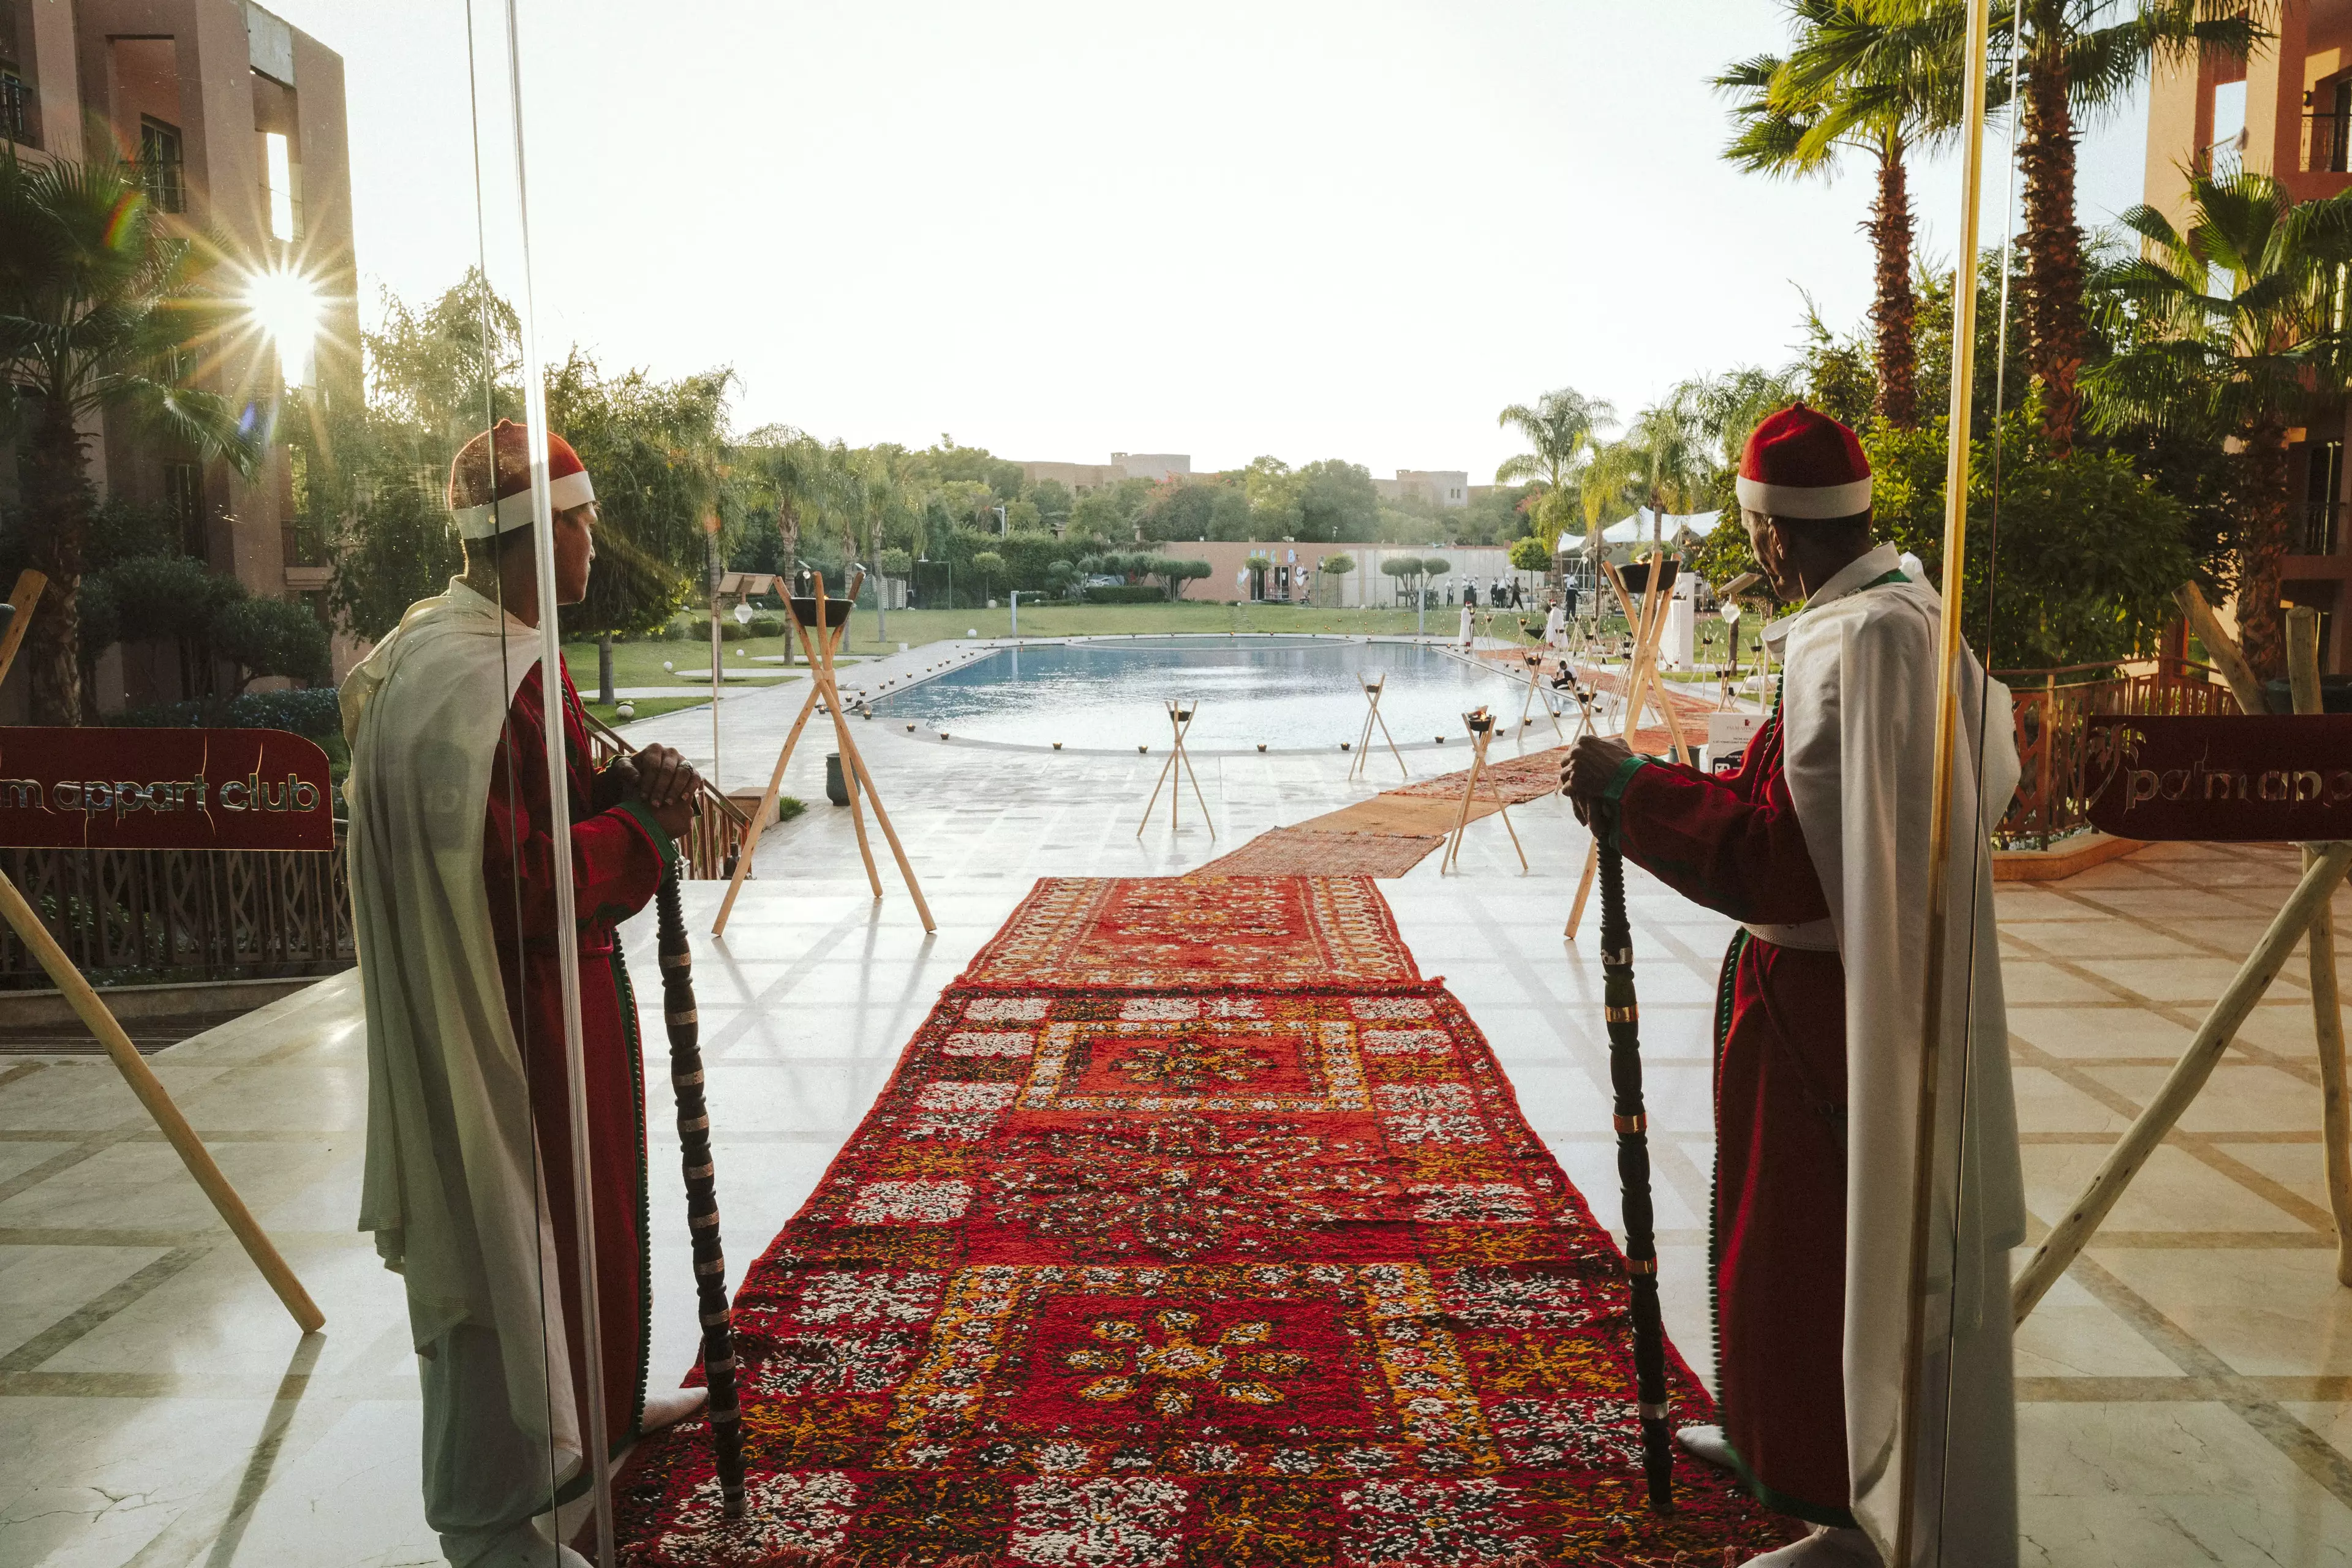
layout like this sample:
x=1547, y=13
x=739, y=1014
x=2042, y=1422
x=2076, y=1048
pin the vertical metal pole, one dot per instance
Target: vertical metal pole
x=593, y=1440
x=1910, y=1443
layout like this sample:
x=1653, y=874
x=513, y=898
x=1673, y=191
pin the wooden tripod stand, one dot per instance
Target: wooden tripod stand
x=1372, y=690
x=1649, y=622
x=1481, y=725
x=831, y=626
x=1180, y=720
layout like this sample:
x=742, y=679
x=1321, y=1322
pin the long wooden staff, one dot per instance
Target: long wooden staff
x=725, y=1412
x=1632, y=1124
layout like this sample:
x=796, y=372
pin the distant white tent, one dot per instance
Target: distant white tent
x=1644, y=525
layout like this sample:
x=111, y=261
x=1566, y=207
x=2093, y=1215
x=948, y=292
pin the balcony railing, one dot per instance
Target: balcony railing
x=2319, y=527
x=2221, y=160
x=2325, y=137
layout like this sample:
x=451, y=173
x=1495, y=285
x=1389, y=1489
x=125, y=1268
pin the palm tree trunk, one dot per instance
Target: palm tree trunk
x=2269, y=525
x=58, y=504
x=1891, y=312
x=2052, y=283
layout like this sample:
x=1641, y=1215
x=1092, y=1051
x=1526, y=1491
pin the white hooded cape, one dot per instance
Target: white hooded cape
x=453, y=1189
x=1858, y=723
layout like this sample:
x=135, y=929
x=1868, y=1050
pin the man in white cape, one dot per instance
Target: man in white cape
x=468, y=1176
x=1820, y=845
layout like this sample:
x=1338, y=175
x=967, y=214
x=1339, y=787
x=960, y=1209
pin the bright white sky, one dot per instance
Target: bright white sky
x=1310, y=227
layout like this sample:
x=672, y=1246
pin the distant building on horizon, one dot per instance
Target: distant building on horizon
x=1157, y=467
x=1437, y=487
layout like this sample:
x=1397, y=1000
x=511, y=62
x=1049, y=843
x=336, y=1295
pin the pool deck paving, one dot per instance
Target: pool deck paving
x=2186, y=1393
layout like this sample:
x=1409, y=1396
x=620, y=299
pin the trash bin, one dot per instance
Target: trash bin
x=836, y=788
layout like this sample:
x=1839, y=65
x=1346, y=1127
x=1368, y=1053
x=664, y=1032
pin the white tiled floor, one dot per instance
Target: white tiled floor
x=2187, y=1390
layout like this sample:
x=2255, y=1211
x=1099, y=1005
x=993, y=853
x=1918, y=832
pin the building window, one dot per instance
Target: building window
x=184, y=493
x=159, y=167
x=17, y=108
x=303, y=540
x=278, y=193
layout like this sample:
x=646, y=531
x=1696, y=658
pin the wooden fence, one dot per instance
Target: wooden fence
x=2052, y=706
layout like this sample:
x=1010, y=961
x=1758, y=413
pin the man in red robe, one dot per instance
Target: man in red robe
x=1818, y=844
x=469, y=1185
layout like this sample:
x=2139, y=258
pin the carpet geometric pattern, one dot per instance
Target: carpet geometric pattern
x=1201, y=1272
x=1242, y=931
x=1305, y=851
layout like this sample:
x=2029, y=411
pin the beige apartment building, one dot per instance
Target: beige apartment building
x=2285, y=112
x=1081, y=478
x=237, y=121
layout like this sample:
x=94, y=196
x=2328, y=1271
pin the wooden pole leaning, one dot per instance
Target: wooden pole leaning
x=95, y=1015
x=2069, y=1236
x=1180, y=721
x=1910, y=1423
x=1372, y=690
x=854, y=771
x=100, y=1020
x=2327, y=1007
x=775, y=782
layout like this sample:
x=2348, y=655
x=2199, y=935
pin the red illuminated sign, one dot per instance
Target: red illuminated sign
x=162, y=789
x=2229, y=779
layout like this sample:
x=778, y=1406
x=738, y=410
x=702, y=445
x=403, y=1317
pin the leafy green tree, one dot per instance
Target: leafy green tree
x=1562, y=432
x=397, y=547
x=269, y=636
x=654, y=449
x=2240, y=334
x=1053, y=501
x=103, y=309
x=989, y=568
x=947, y=462
x=1335, y=500
x=1529, y=555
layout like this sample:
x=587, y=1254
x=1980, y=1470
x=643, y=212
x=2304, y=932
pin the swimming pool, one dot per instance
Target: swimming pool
x=1291, y=694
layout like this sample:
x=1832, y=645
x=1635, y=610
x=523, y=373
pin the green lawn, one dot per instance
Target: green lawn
x=646, y=708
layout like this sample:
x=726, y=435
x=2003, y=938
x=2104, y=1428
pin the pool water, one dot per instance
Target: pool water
x=1289, y=693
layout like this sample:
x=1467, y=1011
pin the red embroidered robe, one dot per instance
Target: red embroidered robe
x=618, y=853
x=1778, y=1243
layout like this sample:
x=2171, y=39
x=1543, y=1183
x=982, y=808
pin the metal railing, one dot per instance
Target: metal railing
x=2052, y=708
x=2325, y=137
x=132, y=916
x=2318, y=534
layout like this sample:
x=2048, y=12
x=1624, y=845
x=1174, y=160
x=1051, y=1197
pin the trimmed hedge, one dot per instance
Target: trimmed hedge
x=312, y=712
x=1127, y=594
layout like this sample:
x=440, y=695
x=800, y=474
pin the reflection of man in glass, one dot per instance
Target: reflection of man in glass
x=469, y=1183
x=1820, y=844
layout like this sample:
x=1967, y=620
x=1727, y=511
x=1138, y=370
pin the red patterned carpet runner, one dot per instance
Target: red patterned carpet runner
x=1193, y=1228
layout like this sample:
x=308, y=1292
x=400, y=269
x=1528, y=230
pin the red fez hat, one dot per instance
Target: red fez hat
x=1801, y=463
x=489, y=483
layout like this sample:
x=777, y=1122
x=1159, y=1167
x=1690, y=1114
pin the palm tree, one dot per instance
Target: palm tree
x=101, y=311
x=1563, y=429
x=2081, y=58
x=1856, y=80
x=2236, y=328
